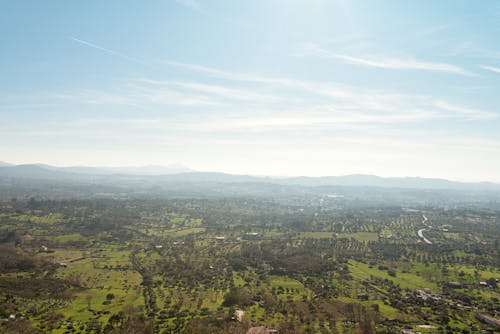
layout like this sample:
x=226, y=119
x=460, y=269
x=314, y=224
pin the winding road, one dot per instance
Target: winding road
x=420, y=232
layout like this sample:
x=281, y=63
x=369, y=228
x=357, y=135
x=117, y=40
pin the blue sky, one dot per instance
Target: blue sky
x=268, y=87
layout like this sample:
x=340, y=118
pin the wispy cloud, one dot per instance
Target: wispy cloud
x=109, y=51
x=470, y=49
x=191, y=4
x=225, y=92
x=339, y=121
x=354, y=99
x=490, y=68
x=137, y=96
x=429, y=31
x=385, y=62
x=330, y=90
x=466, y=112
x=282, y=100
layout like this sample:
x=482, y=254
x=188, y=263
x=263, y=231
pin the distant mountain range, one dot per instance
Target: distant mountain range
x=179, y=174
x=138, y=170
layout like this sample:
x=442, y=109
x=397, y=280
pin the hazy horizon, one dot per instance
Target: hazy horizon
x=313, y=88
x=188, y=169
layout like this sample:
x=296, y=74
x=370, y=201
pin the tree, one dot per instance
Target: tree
x=237, y=296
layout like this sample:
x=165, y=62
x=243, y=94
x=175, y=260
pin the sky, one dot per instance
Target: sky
x=261, y=87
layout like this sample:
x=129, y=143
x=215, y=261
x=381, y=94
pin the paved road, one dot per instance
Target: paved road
x=421, y=235
x=425, y=220
x=420, y=232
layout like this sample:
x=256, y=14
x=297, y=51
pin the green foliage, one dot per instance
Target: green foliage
x=237, y=297
x=142, y=266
